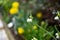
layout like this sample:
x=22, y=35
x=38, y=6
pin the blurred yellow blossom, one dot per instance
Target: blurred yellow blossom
x=34, y=27
x=20, y=30
x=13, y=11
x=39, y=15
x=15, y=4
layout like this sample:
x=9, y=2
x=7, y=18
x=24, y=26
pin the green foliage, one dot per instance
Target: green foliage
x=43, y=32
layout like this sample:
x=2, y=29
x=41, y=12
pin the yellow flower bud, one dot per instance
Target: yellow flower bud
x=15, y=4
x=34, y=27
x=13, y=11
x=20, y=30
x=31, y=16
x=39, y=15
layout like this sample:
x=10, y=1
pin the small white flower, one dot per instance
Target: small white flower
x=56, y=34
x=57, y=37
x=32, y=39
x=29, y=20
x=10, y=25
x=1, y=24
x=56, y=18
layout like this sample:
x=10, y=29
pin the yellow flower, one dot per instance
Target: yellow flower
x=20, y=30
x=34, y=27
x=15, y=4
x=39, y=15
x=13, y=11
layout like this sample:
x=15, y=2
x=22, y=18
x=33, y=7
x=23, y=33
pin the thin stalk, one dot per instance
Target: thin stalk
x=47, y=32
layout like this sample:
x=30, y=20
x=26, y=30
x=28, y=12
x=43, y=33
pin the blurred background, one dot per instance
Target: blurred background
x=29, y=19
